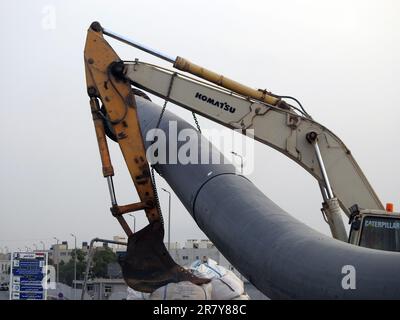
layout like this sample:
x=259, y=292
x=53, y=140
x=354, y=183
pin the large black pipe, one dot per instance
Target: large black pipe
x=281, y=256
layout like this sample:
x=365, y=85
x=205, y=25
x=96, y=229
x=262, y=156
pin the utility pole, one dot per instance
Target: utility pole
x=241, y=160
x=134, y=222
x=241, y=172
x=57, y=264
x=74, y=267
x=169, y=217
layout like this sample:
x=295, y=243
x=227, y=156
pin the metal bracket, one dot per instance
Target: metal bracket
x=118, y=211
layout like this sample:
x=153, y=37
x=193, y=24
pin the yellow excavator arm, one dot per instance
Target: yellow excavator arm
x=148, y=265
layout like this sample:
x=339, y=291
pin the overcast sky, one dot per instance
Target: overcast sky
x=340, y=58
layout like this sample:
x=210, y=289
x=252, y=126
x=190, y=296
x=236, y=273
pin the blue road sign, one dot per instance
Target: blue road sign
x=28, y=272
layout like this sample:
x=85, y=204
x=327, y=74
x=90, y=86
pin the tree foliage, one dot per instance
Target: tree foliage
x=101, y=259
x=66, y=270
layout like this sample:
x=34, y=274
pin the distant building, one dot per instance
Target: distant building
x=174, y=245
x=61, y=253
x=119, y=247
x=200, y=250
x=105, y=289
x=199, y=244
x=194, y=250
x=5, y=264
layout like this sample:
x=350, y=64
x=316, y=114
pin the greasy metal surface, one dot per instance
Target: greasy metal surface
x=121, y=210
x=108, y=170
x=120, y=105
x=281, y=256
x=138, y=45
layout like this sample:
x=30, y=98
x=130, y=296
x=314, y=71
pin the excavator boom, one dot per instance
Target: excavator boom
x=275, y=122
x=280, y=128
x=266, y=116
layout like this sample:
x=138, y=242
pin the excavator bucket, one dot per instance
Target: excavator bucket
x=148, y=265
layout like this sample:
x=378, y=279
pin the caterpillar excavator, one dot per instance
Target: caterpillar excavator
x=112, y=84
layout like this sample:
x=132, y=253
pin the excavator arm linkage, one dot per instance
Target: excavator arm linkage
x=147, y=265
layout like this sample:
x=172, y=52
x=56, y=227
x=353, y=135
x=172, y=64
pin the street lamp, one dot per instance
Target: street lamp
x=169, y=217
x=44, y=246
x=134, y=222
x=241, y=160
x=72, y=235
x=58, y=252
x=241, y=172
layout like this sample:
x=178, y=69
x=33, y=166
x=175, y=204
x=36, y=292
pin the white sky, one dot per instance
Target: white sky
x=340, y=58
